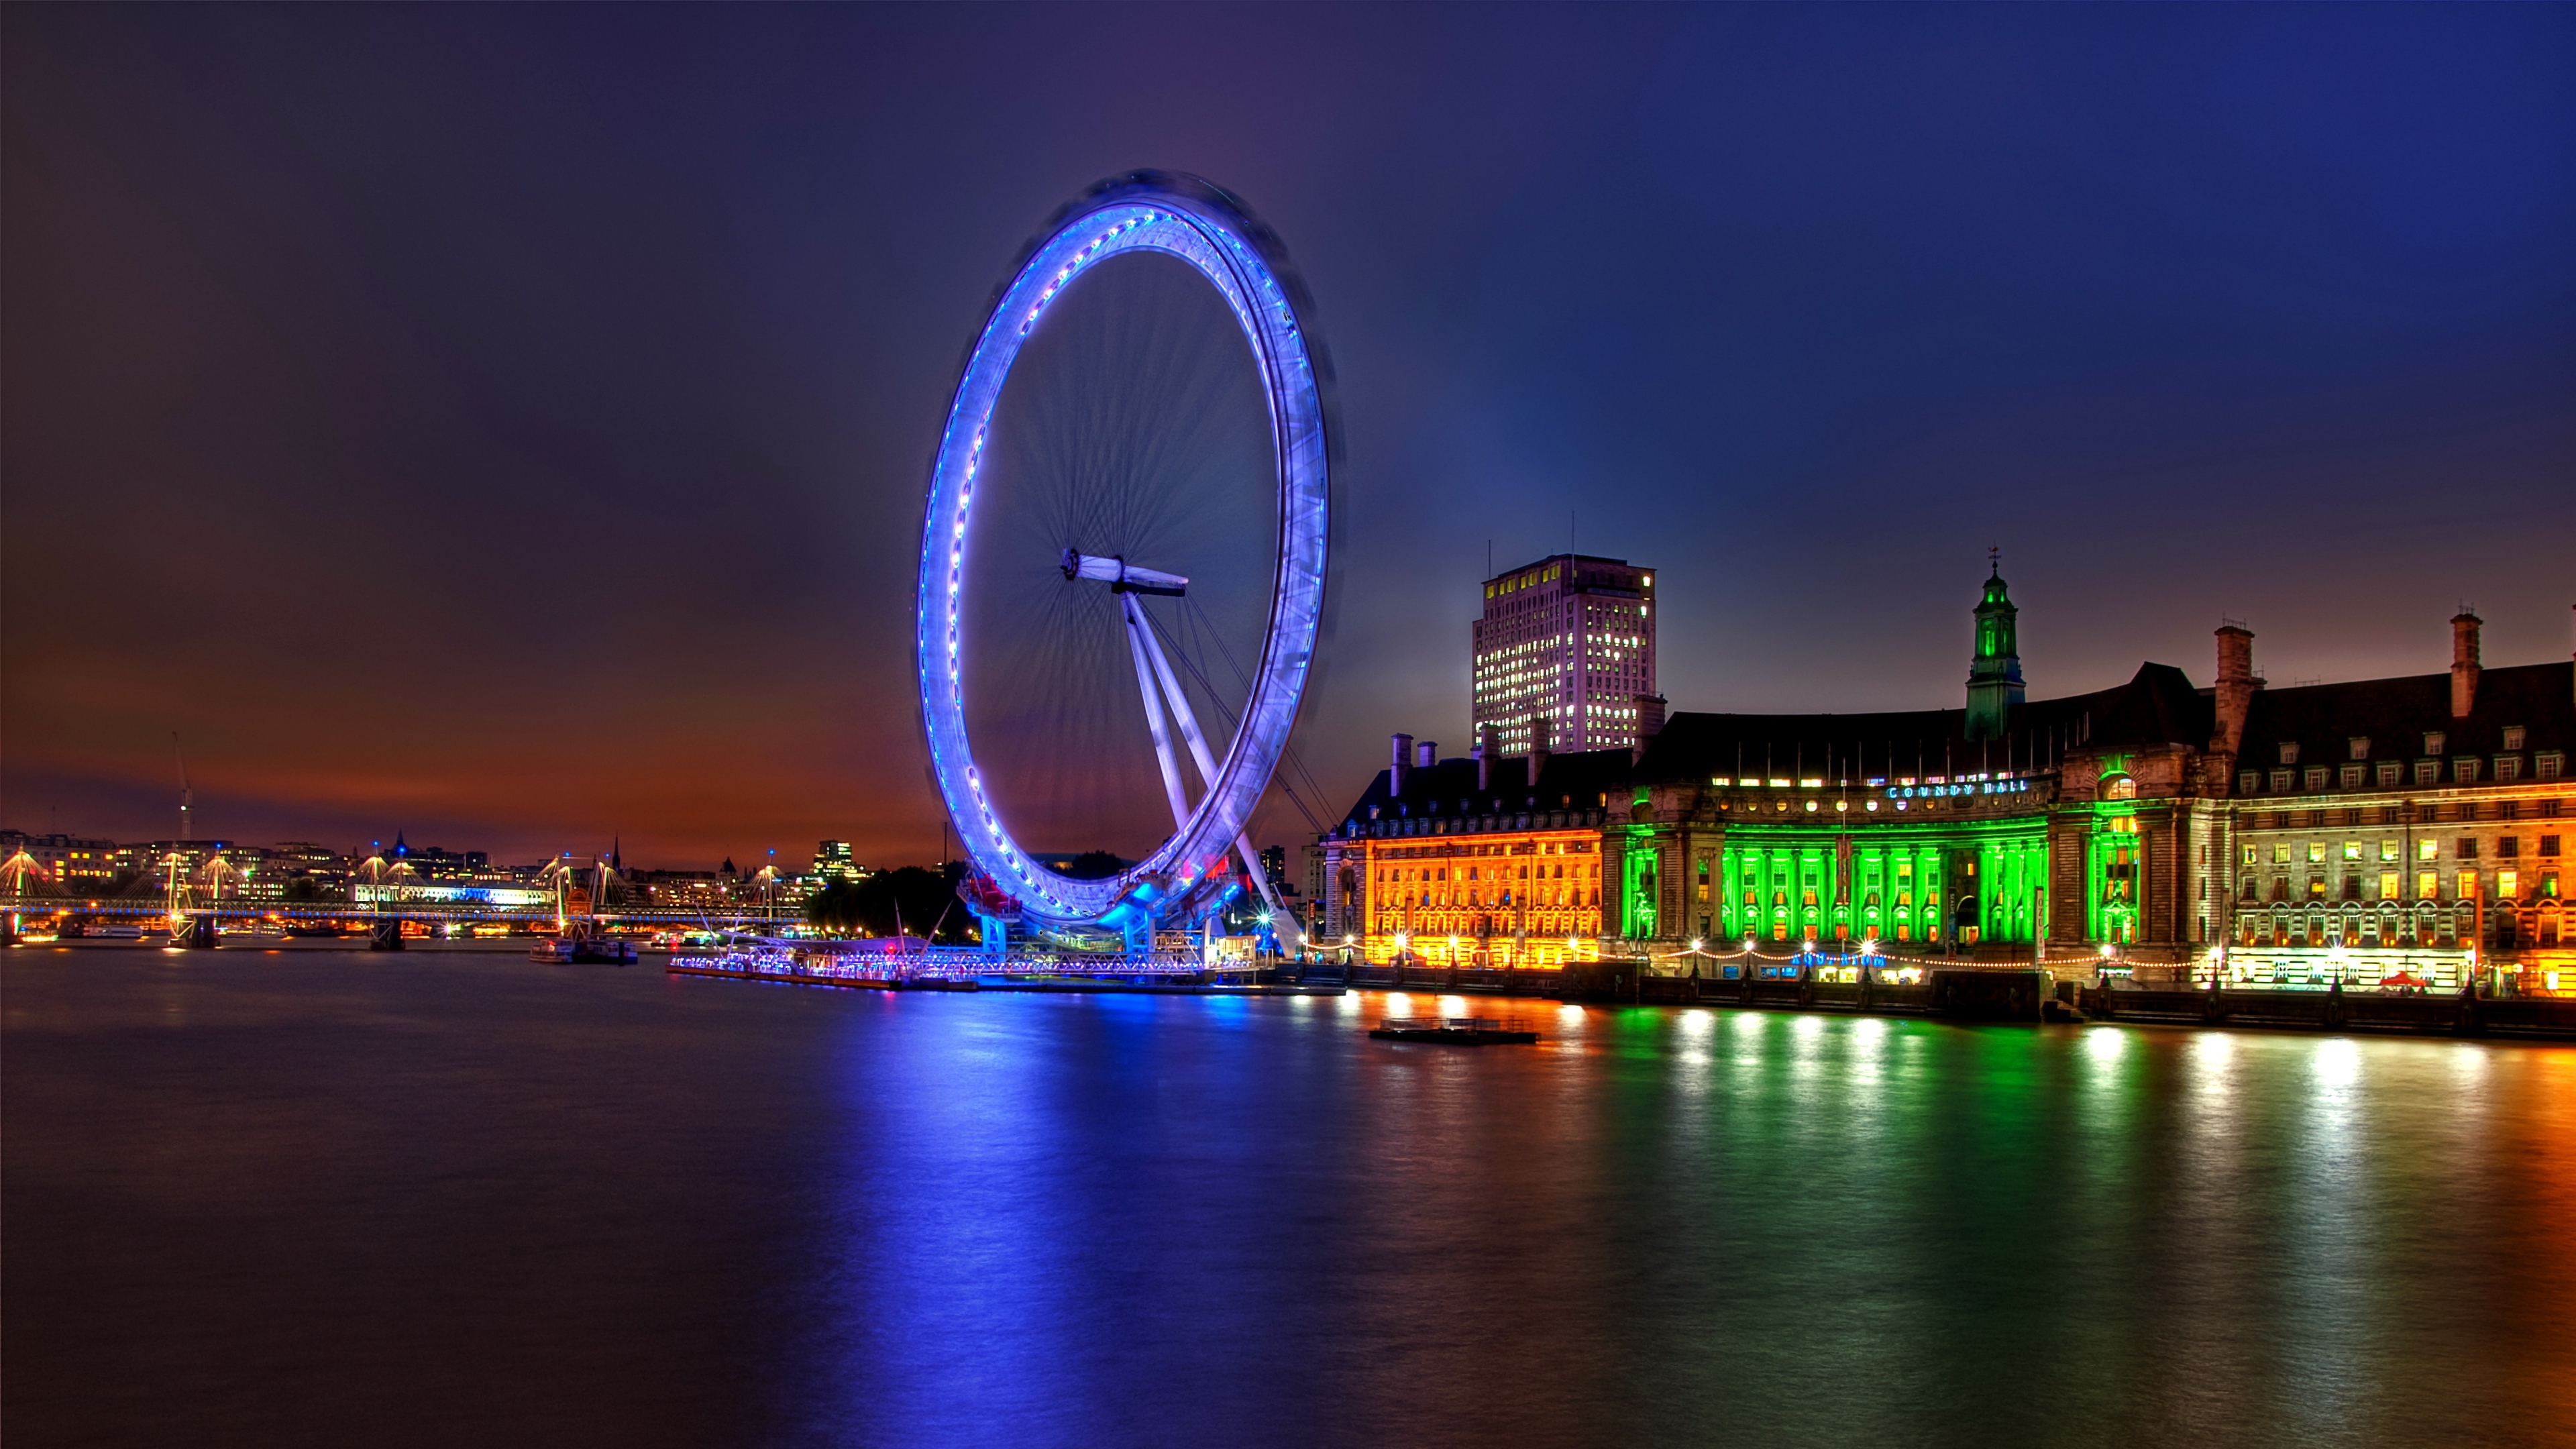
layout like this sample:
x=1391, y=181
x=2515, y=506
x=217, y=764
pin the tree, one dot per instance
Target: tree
x=923, y=898
x=1094, y=865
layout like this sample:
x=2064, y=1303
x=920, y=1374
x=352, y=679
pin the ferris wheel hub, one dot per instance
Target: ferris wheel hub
x=1122, y=576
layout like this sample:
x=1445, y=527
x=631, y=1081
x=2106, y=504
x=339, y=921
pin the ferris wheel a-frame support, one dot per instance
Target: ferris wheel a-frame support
x=1154, y=677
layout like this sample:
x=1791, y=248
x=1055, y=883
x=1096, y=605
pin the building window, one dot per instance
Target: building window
x=2464, y=769
x=2513, y=737
x=2352, y=777
x=2464, y=885
x=2548, y=765
x=2467, y=849
x=2359, y=745
x=2508, y=846
x=2428, y=884
x=2549, y=845
x=2388, y=885
x=2508, y=767
x=2290, y=753
x=2250, y=853
x=2248, y=782
x=2316, y=778
x=2280, y=782
x=2389, y=774
x=2508, y=884
x=2428, y=772
x=2280, y=852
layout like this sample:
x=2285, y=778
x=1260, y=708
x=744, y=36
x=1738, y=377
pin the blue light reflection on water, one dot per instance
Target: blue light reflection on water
x=790, y=1216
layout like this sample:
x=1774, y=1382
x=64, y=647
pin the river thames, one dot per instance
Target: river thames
x=323, y=1198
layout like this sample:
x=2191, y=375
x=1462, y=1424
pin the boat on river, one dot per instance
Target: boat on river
x=583, y=943
x=579, y=936
x=1451, y=1031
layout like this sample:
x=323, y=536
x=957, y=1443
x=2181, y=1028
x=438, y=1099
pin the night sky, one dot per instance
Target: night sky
x=507, y=425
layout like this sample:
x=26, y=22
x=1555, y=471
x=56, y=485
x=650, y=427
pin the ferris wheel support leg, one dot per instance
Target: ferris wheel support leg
x=1140, y=639
x=993, y=933
x=1181, y=711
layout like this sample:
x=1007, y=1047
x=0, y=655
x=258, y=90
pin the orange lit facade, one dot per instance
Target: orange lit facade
x=1508, y=898
x=1473, y=862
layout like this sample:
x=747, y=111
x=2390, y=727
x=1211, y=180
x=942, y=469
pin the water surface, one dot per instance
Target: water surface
x=328, y=1198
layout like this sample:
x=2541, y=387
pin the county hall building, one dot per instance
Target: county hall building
x=2363, y=831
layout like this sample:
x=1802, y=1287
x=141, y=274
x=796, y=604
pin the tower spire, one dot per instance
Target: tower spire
x=1994, y=670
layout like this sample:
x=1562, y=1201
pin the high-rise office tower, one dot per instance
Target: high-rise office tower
x=1568, y=641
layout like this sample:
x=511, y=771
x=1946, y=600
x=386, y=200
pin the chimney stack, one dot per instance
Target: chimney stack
x=1538, y=748
x=1426, y=754
x=2464, y=663
x=1485, y=757
x=2235, y=692
x=1395, y=771
x=1650, y=723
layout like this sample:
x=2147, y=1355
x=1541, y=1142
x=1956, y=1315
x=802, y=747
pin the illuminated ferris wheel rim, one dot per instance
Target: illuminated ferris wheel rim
x=1199, y=225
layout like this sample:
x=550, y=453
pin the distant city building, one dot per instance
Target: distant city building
x=68, y=860
x=498, y=895
x=1565, y=657
x=431, y=862
x=833, y=861
x=303, y=857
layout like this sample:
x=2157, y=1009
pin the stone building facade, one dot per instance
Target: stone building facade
x=2399, y=818
x=2365, y=831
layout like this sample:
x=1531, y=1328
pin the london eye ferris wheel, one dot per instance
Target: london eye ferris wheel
x=1124, y=561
